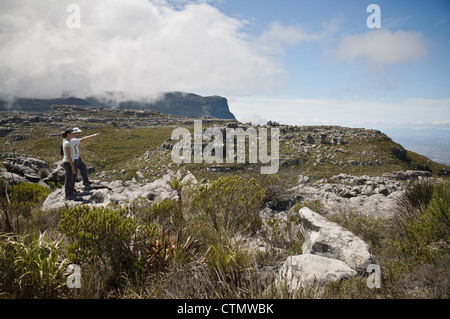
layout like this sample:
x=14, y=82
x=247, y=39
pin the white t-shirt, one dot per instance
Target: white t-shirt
x=75, y=143
x=66, y=143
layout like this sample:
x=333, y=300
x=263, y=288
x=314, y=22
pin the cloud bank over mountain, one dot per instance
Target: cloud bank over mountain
x=328, y=69
x=136, y=46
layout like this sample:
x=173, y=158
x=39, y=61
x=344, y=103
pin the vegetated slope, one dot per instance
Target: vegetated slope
x=139, y=140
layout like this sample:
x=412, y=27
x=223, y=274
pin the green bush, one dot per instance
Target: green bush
x=229, y=205
x=227, y=263
x=422, y=222
x=17, y=203
x=284, y=232
x=226, y=256
x=31, y=266
x=370, y=229
x=126, y=248
x=161, y=213
x=99, y=232
x=32, y=194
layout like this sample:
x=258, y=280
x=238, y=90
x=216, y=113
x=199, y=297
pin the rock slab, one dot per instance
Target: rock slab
x=302, y=270
x=328, y=239
x=118, y=192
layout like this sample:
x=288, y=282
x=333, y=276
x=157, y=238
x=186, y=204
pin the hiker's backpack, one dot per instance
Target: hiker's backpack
x=61, y=149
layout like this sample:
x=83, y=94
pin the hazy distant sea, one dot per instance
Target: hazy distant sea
x=432, y=143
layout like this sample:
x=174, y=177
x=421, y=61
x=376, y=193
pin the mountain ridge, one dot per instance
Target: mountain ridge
x=174, y=103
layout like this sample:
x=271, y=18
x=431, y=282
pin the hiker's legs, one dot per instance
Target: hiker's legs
x=68, y=185
x=83, y=171
x=76, y=164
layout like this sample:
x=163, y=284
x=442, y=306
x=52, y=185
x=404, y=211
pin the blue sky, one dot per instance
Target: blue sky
x=314, y=73
x=292, y=61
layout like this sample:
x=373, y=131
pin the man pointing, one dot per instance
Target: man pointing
x=79, y=164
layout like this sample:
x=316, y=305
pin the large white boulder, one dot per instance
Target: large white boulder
x=327, y=239
x=305, y=270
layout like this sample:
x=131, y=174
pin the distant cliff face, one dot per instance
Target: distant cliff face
x=185, y=104
x=176, y=103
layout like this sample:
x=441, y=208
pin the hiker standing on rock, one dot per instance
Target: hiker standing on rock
x=79, y=164
x=68, y=164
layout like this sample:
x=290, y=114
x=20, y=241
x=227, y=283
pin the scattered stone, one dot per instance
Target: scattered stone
x=308, y=139
x=140, y=175
x=369, y=195
x=405, y=175
x=303, y=179
x=166, y=144
x=5, y=131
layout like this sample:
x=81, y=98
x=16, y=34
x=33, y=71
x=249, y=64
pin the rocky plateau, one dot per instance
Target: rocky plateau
x=329, y=252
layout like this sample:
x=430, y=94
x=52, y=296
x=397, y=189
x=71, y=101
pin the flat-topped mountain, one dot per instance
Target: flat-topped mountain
x=175, y=103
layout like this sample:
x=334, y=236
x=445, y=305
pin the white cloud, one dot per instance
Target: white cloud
x=279, y=36
x=442, y=20
x=137, y=46
x=380, y=47
x=254, y=119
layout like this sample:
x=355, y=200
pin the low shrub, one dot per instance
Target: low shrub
x=127, y=248
x=31, y=266
x=421, y=225
x=229, y=205
x=17, y=203
x=226, y=257
x=99, y=232
x=29, y=193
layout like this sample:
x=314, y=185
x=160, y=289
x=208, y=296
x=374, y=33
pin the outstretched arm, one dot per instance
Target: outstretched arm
x=87, y=138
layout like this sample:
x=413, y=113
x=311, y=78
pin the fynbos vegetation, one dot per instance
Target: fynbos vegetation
x=225, y=235
x=145, y=251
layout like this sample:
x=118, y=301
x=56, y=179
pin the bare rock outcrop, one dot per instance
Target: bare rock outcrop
x=328, y=239
x=304, y=270
x=118, y=192
x=329, y=253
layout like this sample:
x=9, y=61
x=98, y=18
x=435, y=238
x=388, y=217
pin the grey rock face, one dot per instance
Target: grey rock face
x=329, y=253
x=13, y=178
x=328, y=239
x=118, y=192
x=5, y=131
x=369, y=195
x=27, y=167
x=308, y=269
x=58, y=174
x=308, y=139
